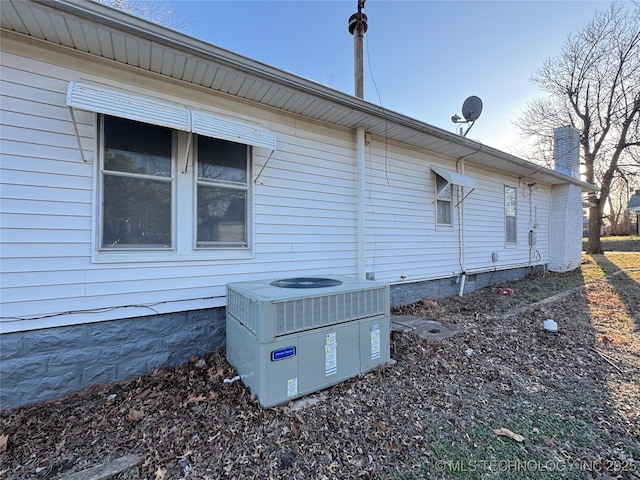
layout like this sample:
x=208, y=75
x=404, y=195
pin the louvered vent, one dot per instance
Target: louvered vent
x=244, y=309
x=309, y=313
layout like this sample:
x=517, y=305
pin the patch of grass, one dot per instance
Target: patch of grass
x=624, y=260
x=559, y=443
x=493, y=456
x=539, y=286
x=630, y=243
x=566, y=436
x=594, y=267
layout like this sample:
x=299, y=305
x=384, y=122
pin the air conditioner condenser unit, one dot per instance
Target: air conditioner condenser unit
x=291, y=337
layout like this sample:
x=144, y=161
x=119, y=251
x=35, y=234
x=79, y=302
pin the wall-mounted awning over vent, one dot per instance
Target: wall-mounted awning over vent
x=456, y=178
x=120, y=103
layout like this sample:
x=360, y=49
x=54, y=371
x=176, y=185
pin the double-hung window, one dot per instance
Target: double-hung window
x=510, y=214
x=137, y=185
x=222, y=193
x=142, y=186
x=444, y=182
x=443, y=201
x=173, y=181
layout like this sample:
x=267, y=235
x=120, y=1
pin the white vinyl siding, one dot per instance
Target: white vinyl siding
x=403, y=240
x=301, y=210
x=303, y=213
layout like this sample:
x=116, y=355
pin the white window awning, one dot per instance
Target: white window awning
x=123, y=104
x=456, y=178
x=142, y=108
x=224, y=128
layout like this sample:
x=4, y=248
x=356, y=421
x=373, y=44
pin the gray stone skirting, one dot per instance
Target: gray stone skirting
x=45, y=364
x=40, y=365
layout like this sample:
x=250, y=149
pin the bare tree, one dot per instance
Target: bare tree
x=156, y=11
x=618, y=216
x=594, y=85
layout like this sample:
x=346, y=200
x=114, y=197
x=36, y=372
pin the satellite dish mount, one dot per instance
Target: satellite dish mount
x=471, y=110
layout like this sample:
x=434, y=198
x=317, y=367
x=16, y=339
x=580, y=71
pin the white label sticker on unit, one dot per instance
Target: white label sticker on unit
x=375, y=342
x=292, y=387
x=330, y=354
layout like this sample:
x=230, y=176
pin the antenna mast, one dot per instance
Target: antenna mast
x=357, y=27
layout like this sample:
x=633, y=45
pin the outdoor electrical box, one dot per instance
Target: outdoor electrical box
x=532, y=237
x=291, y=337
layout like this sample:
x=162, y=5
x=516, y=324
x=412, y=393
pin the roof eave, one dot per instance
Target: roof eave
x=366, y=112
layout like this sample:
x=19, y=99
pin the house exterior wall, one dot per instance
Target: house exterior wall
x=49, y=262
x=404, y=243
x=58, y=291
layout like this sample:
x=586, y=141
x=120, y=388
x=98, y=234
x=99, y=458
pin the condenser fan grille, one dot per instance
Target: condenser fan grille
x=309, y=313
x=306, y=282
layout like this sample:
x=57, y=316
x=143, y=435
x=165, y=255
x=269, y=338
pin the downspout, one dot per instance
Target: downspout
x=361, y=245
x=531, y=225
x=463, y=267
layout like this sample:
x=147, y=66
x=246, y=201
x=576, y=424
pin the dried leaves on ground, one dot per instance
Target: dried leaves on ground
x=568, y=402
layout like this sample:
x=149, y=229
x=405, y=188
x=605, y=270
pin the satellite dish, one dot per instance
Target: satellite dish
x=472, y=108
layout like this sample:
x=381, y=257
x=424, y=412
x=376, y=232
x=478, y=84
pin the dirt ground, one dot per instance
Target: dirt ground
x=573, y=397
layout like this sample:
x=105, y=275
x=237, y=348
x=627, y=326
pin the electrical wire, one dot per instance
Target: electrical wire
x=101, y=310
x=384, y=114
x=495, y=269
x=386, y=153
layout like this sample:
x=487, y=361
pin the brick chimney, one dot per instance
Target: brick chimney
x=565, y=223
x=566, y=151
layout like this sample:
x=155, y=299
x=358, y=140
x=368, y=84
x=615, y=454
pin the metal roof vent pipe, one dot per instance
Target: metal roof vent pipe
x=357, y=27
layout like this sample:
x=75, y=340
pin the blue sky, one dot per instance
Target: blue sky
x=424, y=57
